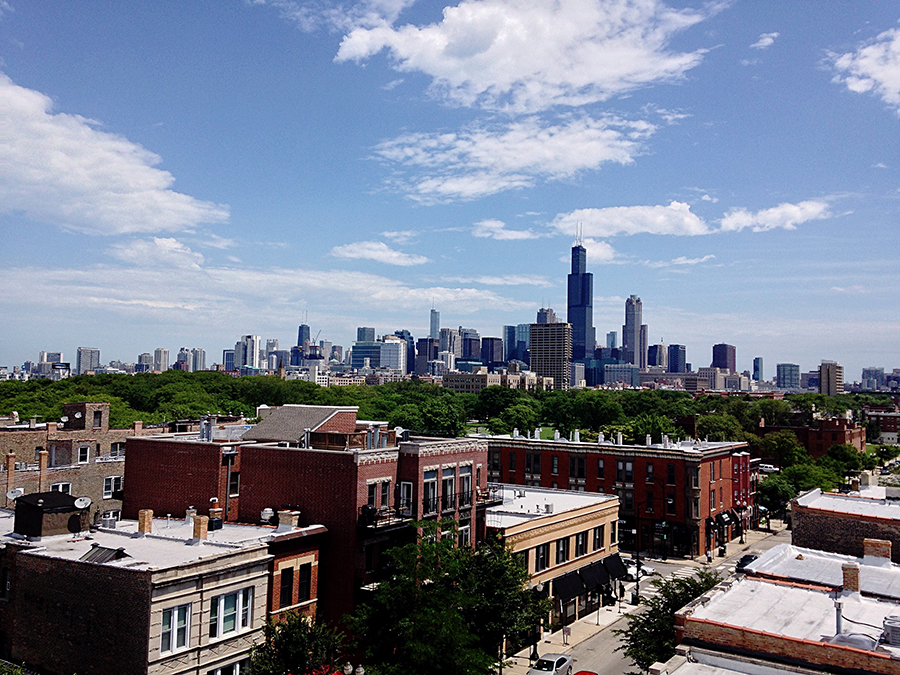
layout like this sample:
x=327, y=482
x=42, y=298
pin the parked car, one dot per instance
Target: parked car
x=631, y=569
x=744, y=561
x=768, y=468
x=585, y=672
x=556, y=664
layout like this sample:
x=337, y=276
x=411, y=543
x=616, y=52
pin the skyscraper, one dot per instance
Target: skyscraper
x=677, y=359
x=491, y=351
x=303, y=336
x=580, y=306
x=546, y=315
x=410, y=349
x=724, y=356
x=657, y=355
x=831, y=378
x=435, y=331
x=612, y=340
x=634, y=334
x=758, y=369
x=198, y=359
x=509, y=342
x=787, y=376
x=160, y=359
x=365, y=334
x=88, y=359
x=246, y=352
x=183, y=359
x=551, y=352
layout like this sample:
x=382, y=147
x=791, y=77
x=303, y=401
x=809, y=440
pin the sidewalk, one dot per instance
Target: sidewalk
x=588, y=626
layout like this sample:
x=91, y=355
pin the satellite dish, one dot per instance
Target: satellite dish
x=64, y=418
x=15, y=493
x=83, y=502
x=78, y=416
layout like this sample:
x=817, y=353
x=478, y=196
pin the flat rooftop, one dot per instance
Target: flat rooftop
x=524, y=504
x=169, y=544
x=860, y=504
x=877, y=576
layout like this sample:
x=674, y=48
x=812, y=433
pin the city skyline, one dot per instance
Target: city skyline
x=730, y=164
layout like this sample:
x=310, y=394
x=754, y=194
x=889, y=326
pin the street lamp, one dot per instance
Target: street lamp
x=536, y=634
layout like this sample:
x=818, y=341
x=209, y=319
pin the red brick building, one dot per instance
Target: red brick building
x=675, y=499
x=819, y=438
x=356, y=478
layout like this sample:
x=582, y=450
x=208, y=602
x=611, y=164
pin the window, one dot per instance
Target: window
x=624, y=471
x=721, y=499
x=111, y=484
x=649, y=506
x=581, y=544
x=523, y=558
x=512, y=461
x=576, y=467
x=176, y=632
x=386, y=493
x=533, y=462
x=712, y=499
x=712, y=468
x=600, y=469
x=649, y=472
x=541, y=557
x=598, y=537
x=493, y=460
x=465, y=485
x=65, y=488
x=304, y=582
x=465, y=536
x=242, y=667
x=117, y=450
x=84, y=454
x=448, y=491
x=612, y=533
x=554, y=464
x=234, y=484
x=626, y=500
x=429, y=492
x=230, y=613
x=670, y=474
x=695, y=507
x=406, y=490
x=562, y=550
x=373, y=493
x=98, y=418
x=670, y=505
x=286, y=596
x=695, y=477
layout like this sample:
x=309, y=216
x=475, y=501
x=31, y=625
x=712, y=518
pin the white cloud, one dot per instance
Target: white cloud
x=674, y=219
x=873, y=67
x=680, y=261
x=505, y=280
x=310, y=15
x=765, y=41
x=482, y=160
x=60, y=169
x=378, y=251
x=496, y=229
x=786, y=216
x=527, y=56
x=156, y=252
x=399, y=236
x=599, y=251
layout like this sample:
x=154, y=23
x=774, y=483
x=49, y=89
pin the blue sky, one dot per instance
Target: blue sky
x=181, y=173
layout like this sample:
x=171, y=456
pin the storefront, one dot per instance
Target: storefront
x=578, y=593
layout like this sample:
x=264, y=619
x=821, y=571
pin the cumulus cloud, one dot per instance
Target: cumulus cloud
x=504, y=280
x=399, y=236
x=599, y=251
x=674, y=219
x=874, y=67
x=786, y=216
x=485, y=160
x=765, y=41
x=496, y=229
x=524, y=56
x=60, y=169
x=155, y=252
x=680, y=261
x=378, y=251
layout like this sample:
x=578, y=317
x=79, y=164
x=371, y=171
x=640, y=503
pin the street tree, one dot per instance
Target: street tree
x=296, y=645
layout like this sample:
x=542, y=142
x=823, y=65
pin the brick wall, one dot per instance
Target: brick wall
x=344, y=422
x=841, y=533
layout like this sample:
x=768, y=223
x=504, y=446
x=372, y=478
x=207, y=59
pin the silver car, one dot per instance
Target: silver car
x=556, y=664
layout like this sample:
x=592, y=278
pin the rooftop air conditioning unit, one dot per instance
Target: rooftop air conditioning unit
x=892, y=630
x=109, y=523
x=548, y=508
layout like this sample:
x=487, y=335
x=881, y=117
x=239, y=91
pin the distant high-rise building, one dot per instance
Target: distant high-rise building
x=145, y=359
x=426, y=350
x=872, y=377
x=246, y=352
x=634, y=334
x=758, y=369
x=271, y=346
x=450, y=342
x=509, y=342
x=658, y=355
x=580, y=304
x=228, y=359
x=546, y=315
x=160, y=359
x=337, y=352
x=523, y=340
x=724, y=356
x=303, y=336
x=410, y=348
x=365, y=334
x=88, y=359
x=787, y=376
x=550, y=348
x=612, y=340
x=325, y=347
x=677, y=359
x=198, y=359
x=392, y=353
x=435, y=331
x=831, y=378
x=492, y=351
x=50, y=357
x=183, y=359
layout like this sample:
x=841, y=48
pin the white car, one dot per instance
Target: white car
x=631, y=569
x=768, y=468
x=555, y=664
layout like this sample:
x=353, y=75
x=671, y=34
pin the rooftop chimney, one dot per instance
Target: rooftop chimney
x=851, y=576
x=287, y=520
x=201, y=524
x=145, y=521
x=854, y=484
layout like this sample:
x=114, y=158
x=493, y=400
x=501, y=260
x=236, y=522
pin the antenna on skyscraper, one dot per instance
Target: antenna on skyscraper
x=579, y=234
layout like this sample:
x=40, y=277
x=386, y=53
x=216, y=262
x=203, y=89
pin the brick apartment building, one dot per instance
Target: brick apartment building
x=888, y=421
x=675, y=499
x=153, y=596
x=79, y=455
x=819, y=438
x=354, y=477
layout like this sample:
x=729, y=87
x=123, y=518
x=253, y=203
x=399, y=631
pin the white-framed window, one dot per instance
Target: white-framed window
x=84, y=454
x=117, y=449
x=240, y=668
x=176, y=633
x=111, y=484
x=230, y=613
x=465, y=536
x=65, y=488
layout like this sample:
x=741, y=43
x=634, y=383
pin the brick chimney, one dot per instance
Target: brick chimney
x=851, y=576
x=287, y=520
x=201, y=523
x=145, y=521
x=879, y=548
x=137, y=426
x=43, y=478
x=216, y=512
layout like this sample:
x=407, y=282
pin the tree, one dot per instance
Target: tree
x=784, y=448
x=847, y=459
x=521, y=416
x=774, y=492
x=493, y=400
x=296, y=645
x=886, y=453
x=650, y=634
x=803, y=477
x=719, y=428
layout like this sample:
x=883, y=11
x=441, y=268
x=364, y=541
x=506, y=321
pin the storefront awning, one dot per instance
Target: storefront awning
x=568, y=586
x=615, y=566
x=723, y=519
x=594, y=575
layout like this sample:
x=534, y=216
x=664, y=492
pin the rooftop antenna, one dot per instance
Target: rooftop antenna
x=579, y=234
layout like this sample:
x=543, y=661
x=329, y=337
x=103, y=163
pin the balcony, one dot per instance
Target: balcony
x=448, y=501
x=385, y=517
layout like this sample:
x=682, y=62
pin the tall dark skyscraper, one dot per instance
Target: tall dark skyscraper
x=580, y=312
x=724, y=356
x=634, y=334
x=677, y=359
x=303, y=337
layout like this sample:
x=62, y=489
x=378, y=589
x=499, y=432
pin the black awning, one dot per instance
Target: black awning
x=615, y=566
x=594, y=575
x=568, y=586
x=723, y=519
